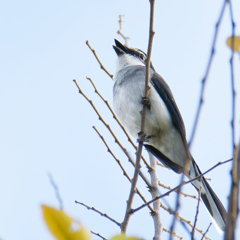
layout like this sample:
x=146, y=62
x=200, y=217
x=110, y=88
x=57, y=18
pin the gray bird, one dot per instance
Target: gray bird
x=164, y=126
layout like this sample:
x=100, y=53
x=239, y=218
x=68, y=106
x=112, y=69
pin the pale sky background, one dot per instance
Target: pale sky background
x=46, y=125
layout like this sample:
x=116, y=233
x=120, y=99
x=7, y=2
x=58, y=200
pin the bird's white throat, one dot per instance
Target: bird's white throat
x=126, y=60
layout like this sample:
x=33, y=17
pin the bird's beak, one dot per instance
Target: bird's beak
x=118, y=50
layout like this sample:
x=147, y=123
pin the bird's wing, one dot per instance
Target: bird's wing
x=165, y=93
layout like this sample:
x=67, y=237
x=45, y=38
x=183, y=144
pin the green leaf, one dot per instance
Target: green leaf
x=62, y=226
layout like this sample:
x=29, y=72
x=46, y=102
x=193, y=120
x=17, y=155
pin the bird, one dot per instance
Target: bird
x=164, y=126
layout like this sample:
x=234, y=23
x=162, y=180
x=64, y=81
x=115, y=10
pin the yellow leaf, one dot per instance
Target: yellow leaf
x=123, y=237
x=236, y=43
x=62, y=226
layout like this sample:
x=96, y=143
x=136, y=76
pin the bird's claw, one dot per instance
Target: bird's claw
x=145, y=101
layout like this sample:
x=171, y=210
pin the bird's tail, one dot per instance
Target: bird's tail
x=208, y=196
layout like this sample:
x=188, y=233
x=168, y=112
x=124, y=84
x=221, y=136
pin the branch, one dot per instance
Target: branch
x=206, y=75
x=173, y=233
x=204, y=235
x=97, y=234
x=56, y=190
x=110, y=130
x=156, y=205
x=195, y=221
x=184, y=183
x=140, y=146
x=97, y=211
x=232, y=79
x=233, y=198
x=184, y=194
x=138, y=192
x=178, y=199
x=124, y=172
x=120, y=31
x=122, y=127
x=184, y=220
x=101, y=66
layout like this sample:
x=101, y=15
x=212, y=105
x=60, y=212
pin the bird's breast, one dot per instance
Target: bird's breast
x=127, y=97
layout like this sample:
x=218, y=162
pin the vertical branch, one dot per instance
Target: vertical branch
x=233, y=197
x=206, y=75
x=195, y=221
x=56, y=191
x=141, y=139
x=232, y=78
x=156, y=205
x=177, y=205
x=121, y=30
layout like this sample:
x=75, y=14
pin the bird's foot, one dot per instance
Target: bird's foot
x=144, y=137
x=145, y=101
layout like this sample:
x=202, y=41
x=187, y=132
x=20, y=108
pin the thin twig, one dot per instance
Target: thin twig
x=101, y=66
x=173, y=233
x=97, y=234
x=204, y=235
x=115, y=138
x=142, y=137
x=161, y=205
x=204, y=80
x=160, y=164
x=184, y=220
x=184, y=183
x=195, y=221
x=178, y=201
x=120, y=165
x=184, y=194
x=99, y=212
x=115, y=117
x=158, y=227
x=56, y=190
x=232, y=79
x=120, y=31
x=233, y=198
x=110, y=130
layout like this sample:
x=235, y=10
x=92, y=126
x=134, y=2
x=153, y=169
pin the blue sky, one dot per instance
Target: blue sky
x=46, y=125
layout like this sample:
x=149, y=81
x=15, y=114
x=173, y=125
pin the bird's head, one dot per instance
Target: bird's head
x=129, y=56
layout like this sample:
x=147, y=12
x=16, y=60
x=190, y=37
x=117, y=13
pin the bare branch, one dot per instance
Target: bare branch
x=56, y=190
x=232, y=79
x=178, y=199
x=184, y=194
x=158, y=228
x=160, y=164
x=233, y=198
x=142, y=136
x=184, y=183
x=138, y=192
x=195, y=221
x=97, y=234
x=115, y=117
x=99, y=212
x=204, y=80
x=121, y=30
x=204, y=235
x=101, y=66
x=124, y=172
x=183, y=220
x=173, y=233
